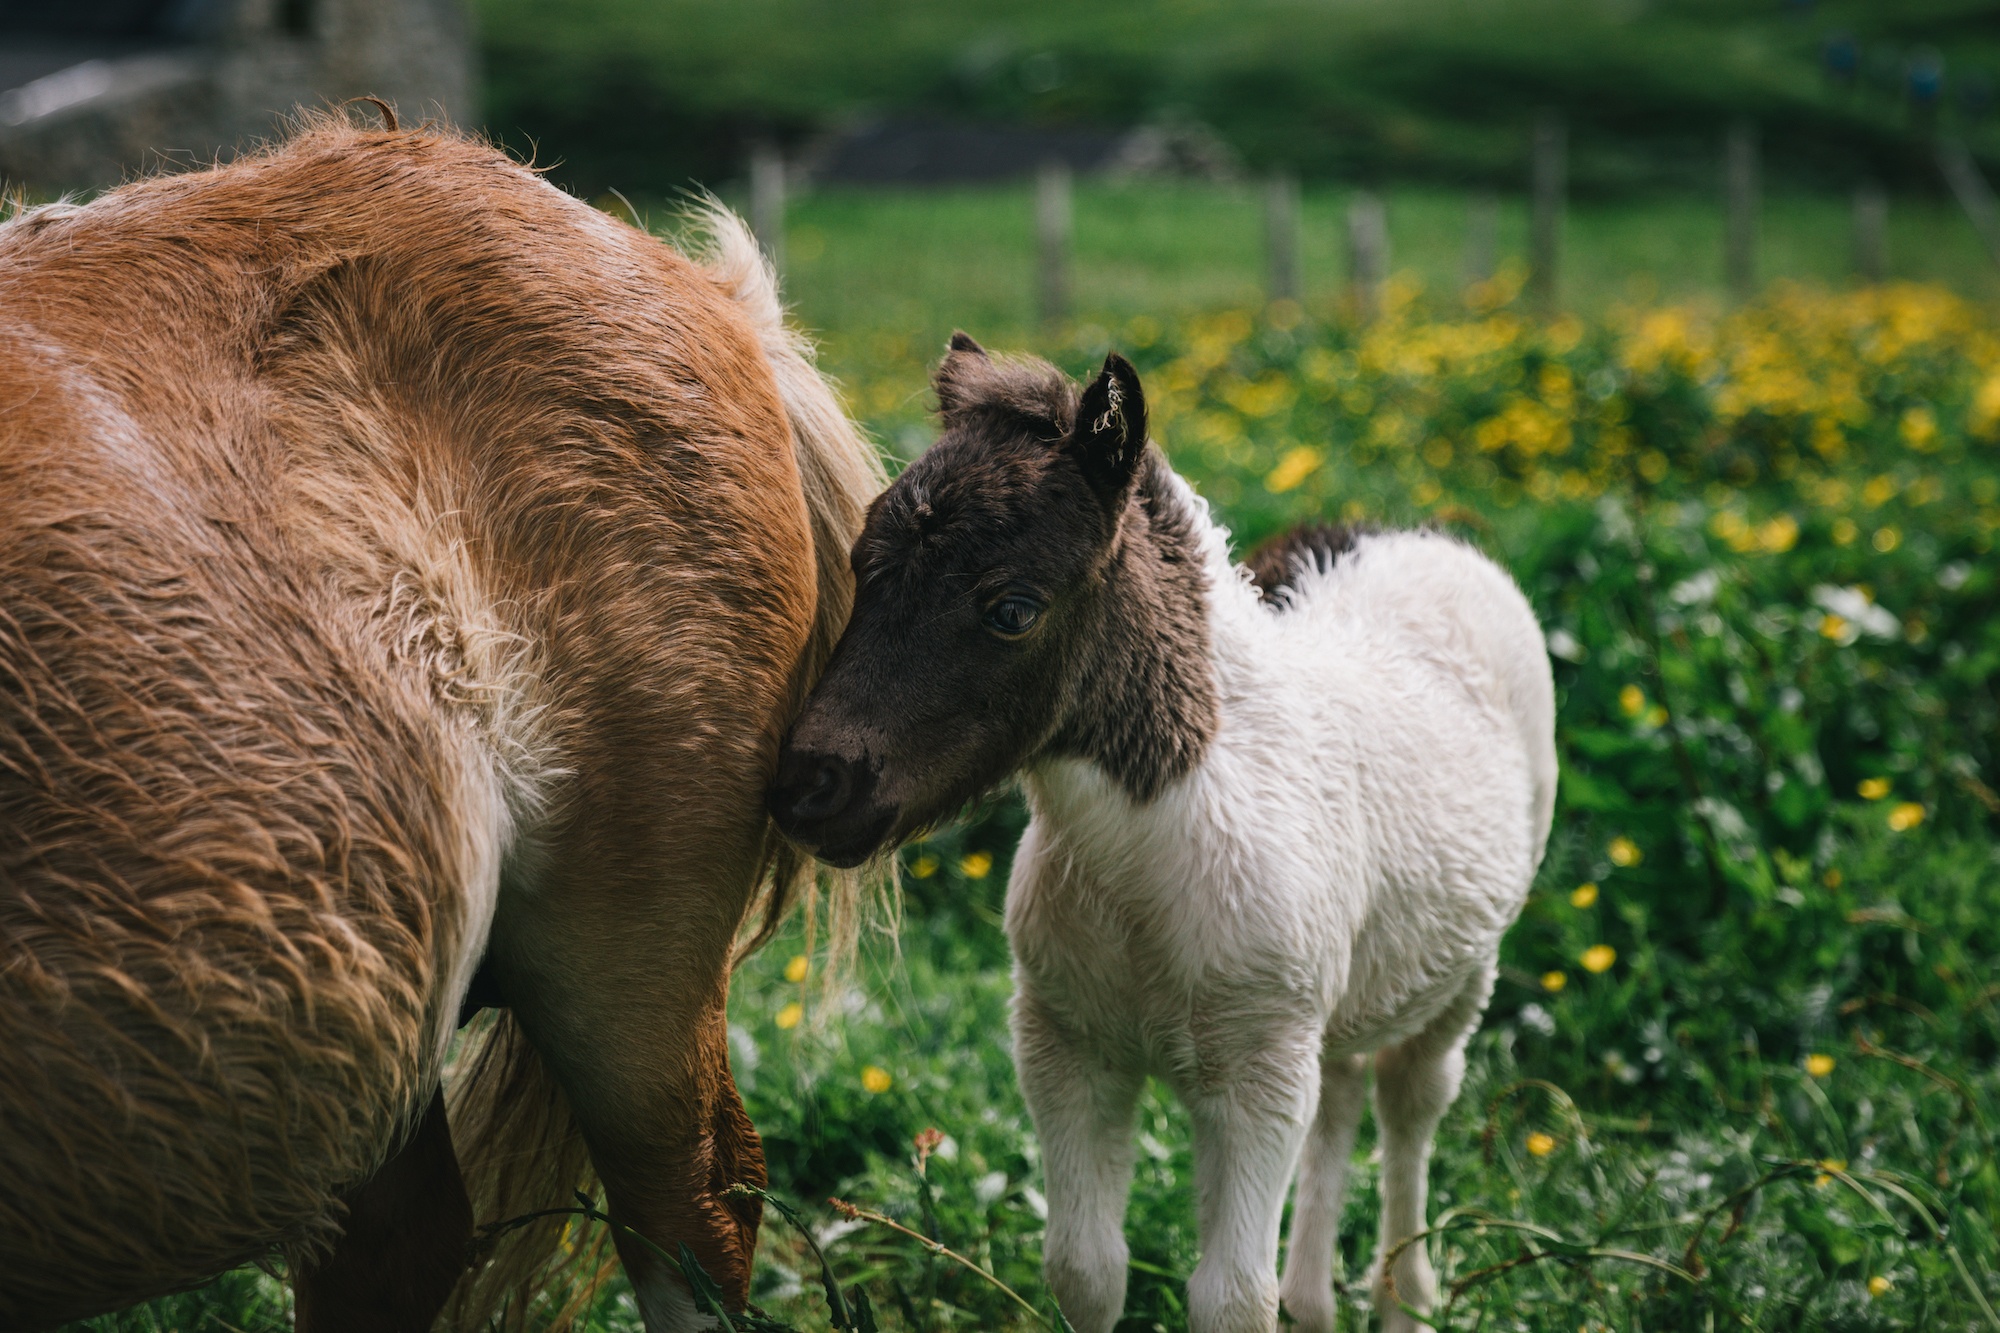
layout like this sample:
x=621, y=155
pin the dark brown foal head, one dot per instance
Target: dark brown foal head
x=1020, y=594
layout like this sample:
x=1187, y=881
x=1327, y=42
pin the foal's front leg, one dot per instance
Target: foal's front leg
x=1083, y=1113
x=1249, y=1124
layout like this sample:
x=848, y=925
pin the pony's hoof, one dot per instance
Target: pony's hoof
x=1306, y=1312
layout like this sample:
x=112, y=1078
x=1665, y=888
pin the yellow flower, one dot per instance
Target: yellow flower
x=1632, y=701
x=795, y=971
x=1583, y=895
x=1819, y=1066
x=876, y=1079
x=1919, y=428
x=1540, y=1144
x=1733, y=528
x=975, y=865
x=1887, y=539
x=1625, y=852
x=1554, y=981
x=1986, y=406
x=1598, y=958
x=1878, y=1286
x=923, y=867
x=1656, y=717
x=1873, y=789
x=1844, y=531
x=1779, y=535
x=1292, y=469
x=789, y=1016
x=1906, y=817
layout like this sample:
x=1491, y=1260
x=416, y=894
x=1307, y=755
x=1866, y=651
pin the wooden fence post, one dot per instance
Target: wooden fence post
x=1871, y=233
x=1052, y=240
x=1546, y=171
x=767, y=202
x=1739, y=175
x=1482, y=238
x=1974, y=196
x=1281, y=238
x=1367, y=253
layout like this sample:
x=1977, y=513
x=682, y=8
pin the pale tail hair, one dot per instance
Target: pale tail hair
x=517, y=1143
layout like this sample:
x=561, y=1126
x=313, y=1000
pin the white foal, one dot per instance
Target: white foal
x=1281, y=818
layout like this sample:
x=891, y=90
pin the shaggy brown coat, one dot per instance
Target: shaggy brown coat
x=399, y=561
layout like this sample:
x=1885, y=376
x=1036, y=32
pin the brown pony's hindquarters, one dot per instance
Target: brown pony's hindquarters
x=405, y=1242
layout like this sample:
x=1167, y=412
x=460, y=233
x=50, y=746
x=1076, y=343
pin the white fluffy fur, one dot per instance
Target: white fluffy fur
x=1332, y=881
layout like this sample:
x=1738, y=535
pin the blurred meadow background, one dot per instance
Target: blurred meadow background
x=1740, y=1071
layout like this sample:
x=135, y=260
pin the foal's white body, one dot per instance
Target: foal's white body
x=1331, y=880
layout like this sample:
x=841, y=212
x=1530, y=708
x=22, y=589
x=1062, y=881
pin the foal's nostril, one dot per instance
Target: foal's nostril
x=822, y=791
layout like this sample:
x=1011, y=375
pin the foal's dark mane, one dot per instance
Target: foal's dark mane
x=1278, y=563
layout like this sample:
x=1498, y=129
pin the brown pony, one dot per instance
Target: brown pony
x=406, y=572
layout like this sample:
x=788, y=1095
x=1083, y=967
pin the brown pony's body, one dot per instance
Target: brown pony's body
x=399, y=562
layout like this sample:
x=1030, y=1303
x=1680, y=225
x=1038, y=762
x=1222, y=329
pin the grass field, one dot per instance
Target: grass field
x=1740, y=1072
x=1741, y=1068
x=884, y=277
x=915, y=264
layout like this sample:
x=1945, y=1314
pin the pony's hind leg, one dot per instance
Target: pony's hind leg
x=1083, y=1115
x=404, y=1244
x=1415, y=1082
x=1307, y=1289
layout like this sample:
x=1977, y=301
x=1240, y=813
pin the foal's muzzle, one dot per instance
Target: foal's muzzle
x=825, y=803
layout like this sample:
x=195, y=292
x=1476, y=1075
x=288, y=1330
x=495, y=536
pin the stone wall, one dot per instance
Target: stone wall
x=210, y=87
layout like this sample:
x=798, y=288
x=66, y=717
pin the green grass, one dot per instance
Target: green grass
x=918, y=263
x=1772, y=912
x=883, y=277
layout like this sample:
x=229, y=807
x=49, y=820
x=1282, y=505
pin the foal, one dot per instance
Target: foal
x=1281, y=819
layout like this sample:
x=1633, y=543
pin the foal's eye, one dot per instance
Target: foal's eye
x=1012, y=616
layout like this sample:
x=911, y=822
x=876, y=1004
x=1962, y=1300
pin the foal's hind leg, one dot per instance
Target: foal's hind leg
x=404, y=1245
x=1415, y=1081
x=1307, y=1290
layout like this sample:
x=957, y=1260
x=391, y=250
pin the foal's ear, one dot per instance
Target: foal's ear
x=961, y=374
x=1110, y=432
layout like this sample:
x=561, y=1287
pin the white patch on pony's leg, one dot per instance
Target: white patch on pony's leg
x=1415, y=1083
x=1246, y=1148
x=1307, y=1289
x=1083, y=1118
x=667, y=1307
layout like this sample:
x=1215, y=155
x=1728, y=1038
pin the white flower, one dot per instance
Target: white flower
x=1563, y=644
x=989, y=1187
x=1857, y=608
x=1696, y=588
